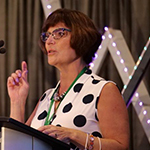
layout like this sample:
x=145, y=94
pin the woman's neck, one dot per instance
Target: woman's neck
x=68, y=75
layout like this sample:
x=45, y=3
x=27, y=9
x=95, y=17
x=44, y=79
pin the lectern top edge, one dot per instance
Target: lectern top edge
x=16, y=125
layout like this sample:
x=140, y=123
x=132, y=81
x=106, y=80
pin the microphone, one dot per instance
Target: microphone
x=2, y=50
x=1, y=43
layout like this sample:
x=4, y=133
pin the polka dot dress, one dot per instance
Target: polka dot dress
x=78, y=110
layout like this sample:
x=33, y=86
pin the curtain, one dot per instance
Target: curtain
x=20, y=27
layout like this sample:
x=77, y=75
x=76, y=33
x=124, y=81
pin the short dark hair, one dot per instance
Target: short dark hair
x=85, y=38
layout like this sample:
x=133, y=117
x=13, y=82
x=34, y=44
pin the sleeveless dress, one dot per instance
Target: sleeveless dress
x=78, y=109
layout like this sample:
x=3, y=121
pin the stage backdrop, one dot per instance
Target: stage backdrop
x=20, y=27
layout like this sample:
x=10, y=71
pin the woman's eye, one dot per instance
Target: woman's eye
x=47, y=34
x=60, y=33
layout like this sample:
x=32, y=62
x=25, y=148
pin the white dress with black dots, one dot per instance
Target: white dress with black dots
x=78, y=110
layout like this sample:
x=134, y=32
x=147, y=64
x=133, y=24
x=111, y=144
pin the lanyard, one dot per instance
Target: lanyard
x=48, y=120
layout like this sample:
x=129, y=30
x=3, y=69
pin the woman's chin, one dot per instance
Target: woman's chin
x=52, y=63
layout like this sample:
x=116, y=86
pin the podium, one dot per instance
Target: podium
x=18, y=136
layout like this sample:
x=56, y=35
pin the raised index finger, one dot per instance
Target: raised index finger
x=24, y=69
x=24, y=66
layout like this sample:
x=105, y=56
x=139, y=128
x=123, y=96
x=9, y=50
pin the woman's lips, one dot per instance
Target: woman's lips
x=51, y=52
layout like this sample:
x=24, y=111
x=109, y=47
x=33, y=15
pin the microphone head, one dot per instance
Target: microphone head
x=1, y=43
x=2, y=50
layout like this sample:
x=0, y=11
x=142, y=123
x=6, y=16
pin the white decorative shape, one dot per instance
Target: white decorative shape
x=112, y=45
x=49, y=6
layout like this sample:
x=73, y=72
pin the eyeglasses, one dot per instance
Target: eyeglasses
x=56, y=34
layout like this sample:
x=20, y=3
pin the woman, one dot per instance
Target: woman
x=83, y=108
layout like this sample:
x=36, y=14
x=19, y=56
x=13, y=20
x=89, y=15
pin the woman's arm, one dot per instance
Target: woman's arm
x=113, y=116
x=113, y=121
x=28, y=122
x=18, y=88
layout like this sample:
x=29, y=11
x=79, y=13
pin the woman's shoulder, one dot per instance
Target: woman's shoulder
x=98, y=79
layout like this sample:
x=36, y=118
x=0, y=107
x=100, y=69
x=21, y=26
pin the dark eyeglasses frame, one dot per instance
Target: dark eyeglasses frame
x=53, y=34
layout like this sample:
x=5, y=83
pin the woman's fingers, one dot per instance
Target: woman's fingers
x=14, y=78
x=19, y=73
x=46, y=129
x=10, y=81
x=24, y=70
x=24, y=66
x=19, y=76
x=59, y=133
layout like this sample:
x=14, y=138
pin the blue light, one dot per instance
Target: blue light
x=125, y=86
x=135, y=67
x=140, y=58
x=145, y=48
x=130, y=77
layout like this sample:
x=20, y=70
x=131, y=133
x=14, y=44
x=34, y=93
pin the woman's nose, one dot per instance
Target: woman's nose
x=50, y=40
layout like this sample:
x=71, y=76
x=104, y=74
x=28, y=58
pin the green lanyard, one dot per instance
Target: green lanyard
x=48, y=120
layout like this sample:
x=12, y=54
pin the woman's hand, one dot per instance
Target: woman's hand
x=18, y=86
x=66, y=135
x=57, y=132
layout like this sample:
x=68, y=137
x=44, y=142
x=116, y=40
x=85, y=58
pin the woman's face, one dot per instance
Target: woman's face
x=59, y=52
